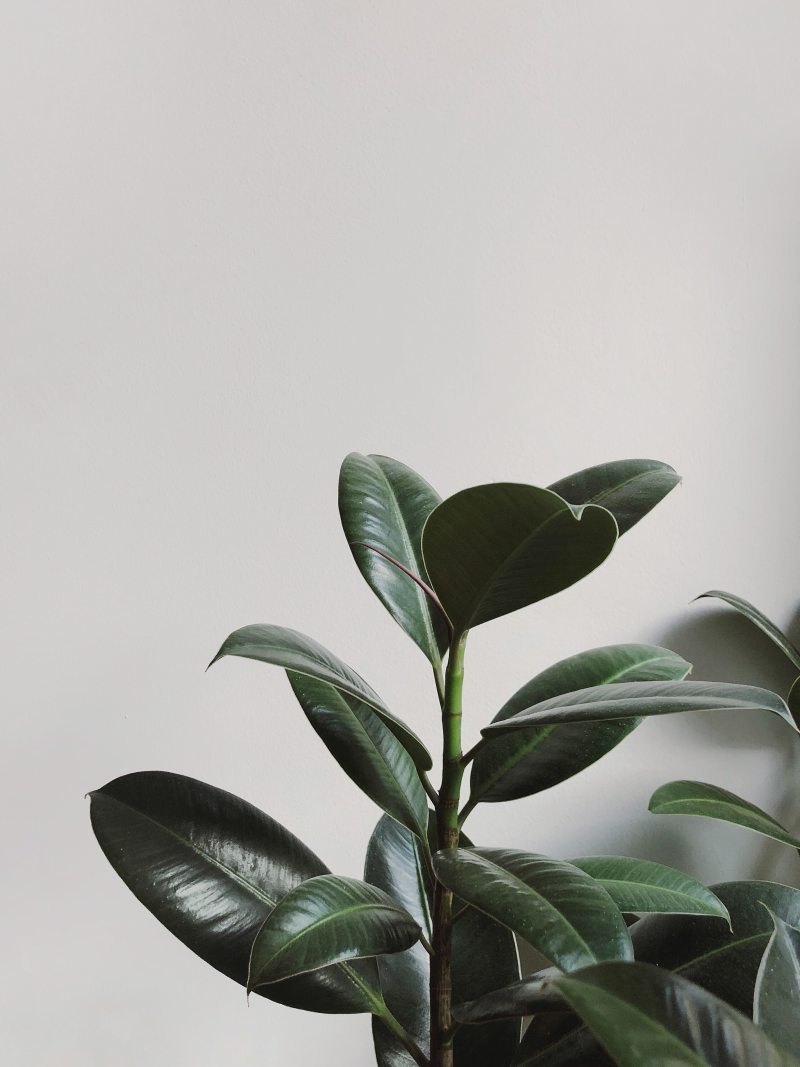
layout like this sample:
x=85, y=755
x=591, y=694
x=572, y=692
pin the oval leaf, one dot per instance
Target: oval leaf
x=646, y=1017
x=700, y=798
x=644, y=886
x=628, y=488
x=525, y=762
x=777, y=993
x=296, y=652
x=621, y=700
x=484, y=957
x=552, y=905
x=328, y=920
x=778, y=637
x=365, y=749
x=211, y=867
x=495, y=548
x=384, y=504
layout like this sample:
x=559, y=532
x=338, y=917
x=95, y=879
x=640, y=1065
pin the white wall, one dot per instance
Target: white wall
x=498, y=241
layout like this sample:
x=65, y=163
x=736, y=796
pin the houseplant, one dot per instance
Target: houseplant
x=425, y=943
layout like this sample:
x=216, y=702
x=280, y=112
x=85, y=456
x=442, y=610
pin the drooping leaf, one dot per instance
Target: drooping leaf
x=552, y=905
x=644, y=886
x=495, y=548
x=366, y=750
x=327, y=920
x=757, y=618
x=525, y=762
x=700, y=798
x=628, y=488
x=211, y=867
x=484, y=957
x=623, y=700
x=647, y=1017
x=776, y=1000
x=295, y=652
x=384, y=504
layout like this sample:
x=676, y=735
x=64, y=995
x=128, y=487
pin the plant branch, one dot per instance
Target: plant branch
x=427, y=785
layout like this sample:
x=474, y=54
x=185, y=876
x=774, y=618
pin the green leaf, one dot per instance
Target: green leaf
x=495, y=548
x=211, y=868
x=328, y=920
x=366, y=750
x=524, y=762
x=761, y=621
x=385, y=504
x=644, y=886
x=624, y=700
x=628, y=488
x=295, y=652
x=793, y=701
x=646, y=1017
x=777, y=993
x=484, y=956
x=700, y=798
x=552, y=905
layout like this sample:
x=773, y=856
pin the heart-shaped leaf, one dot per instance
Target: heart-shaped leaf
x=759, y=619
x=646, y=1017
x=384, y=504
x=552, y=905
x=525, y=762
x=327, y=920
x=484, y=957
x=777, y=992
x=365, y=749
x=211, y=868
x=700, y=798
x=624, y=700
x=628, y=488
x=644, y=886
x=296, y=652
x=495, y=548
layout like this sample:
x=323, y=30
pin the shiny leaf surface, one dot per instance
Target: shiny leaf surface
x=385, y=504
x=700, y=798
x=793, y=701
x=297, y=652
x=366, y=750
x=211, y=867
x=644, y=886
x=552, y=905
x=622, y=700
x=484, y=957
x=757, y=618
x=776, y=1000
x=628, y=488
x=327, y=920
x=493, y=549
x=524, y=762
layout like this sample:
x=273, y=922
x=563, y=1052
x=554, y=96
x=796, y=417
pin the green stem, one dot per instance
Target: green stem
x=447, y=826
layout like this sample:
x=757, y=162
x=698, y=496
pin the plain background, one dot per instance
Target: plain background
x=499, y=241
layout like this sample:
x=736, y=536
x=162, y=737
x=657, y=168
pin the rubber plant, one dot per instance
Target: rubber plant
x=426, y=942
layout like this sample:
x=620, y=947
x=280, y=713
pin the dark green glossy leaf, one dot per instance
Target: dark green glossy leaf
x=385, y=504
x=559, y=1039
x=484, y=957
x=366, y=750
x=646, y=1017
x=296, y=652
x=700, y=798
x=628, y=488
x=211, y=867
x=495, y=548
x=793, y=701
x=778, y=637
x=552, y=905
x=327, y=920
x=644, y=886
x=622, y=700
x=524, y=762
x=776, y=1001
